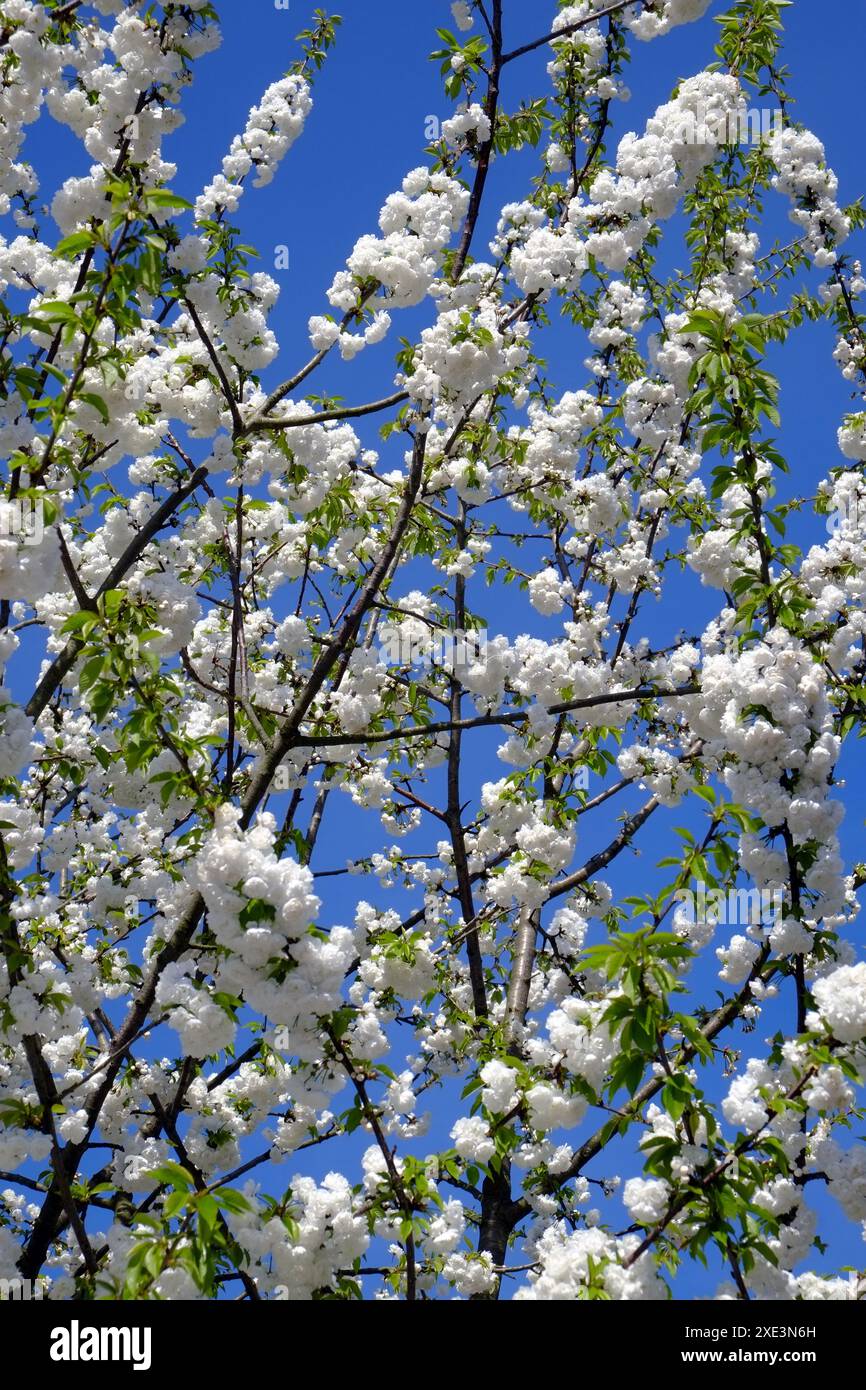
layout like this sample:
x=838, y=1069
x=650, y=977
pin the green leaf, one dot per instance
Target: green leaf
x=170, y=1174
x=208, y=1211
x=174, y=1204
x=73, y=245
x=98, y=404
x=55, y=311
x=164, y=198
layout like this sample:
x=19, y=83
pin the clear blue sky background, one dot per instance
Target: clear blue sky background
x=366, y=131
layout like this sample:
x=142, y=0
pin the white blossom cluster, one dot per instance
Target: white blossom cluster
x=243, y=597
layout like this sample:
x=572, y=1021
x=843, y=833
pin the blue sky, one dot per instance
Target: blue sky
x=365, y=133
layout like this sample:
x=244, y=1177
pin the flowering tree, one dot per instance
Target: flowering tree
x=226, y=607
